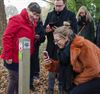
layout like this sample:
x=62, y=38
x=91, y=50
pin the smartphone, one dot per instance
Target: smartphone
x=51, y=25
x=46, y=54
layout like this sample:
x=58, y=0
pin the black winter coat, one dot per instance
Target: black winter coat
x=98, y=35
x=58, y=19
x=40, y=31
x=88, y=31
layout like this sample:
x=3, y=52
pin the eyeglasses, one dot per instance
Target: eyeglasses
x=57, y=41
x=58, y=5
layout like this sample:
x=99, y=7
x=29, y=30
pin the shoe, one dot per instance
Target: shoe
x=35, y=77
x=36, y=80
x=32, y=88
x=49, y=91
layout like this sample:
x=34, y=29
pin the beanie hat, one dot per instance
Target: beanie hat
x=34, y=7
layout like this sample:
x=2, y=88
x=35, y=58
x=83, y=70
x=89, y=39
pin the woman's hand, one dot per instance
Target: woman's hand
x=9, y=61
x=37, y=37
x=48, y=29
x=47, y=60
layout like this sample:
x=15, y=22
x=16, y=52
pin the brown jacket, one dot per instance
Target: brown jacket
x=85, y=59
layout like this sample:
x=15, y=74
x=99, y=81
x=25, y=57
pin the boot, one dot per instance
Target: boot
x=49, y=91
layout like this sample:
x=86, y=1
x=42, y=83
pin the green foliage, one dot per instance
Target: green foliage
x=71, y=5
x=97, y=3
x=92, y=5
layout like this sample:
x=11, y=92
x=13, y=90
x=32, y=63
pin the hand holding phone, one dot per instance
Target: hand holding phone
x=48, y=29
x=51, y=25
x=46, y=57
x=46, y=54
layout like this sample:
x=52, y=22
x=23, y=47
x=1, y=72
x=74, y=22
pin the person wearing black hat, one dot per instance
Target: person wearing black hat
x=21, y=25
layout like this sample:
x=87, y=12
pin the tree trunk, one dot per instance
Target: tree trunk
x=3, y=20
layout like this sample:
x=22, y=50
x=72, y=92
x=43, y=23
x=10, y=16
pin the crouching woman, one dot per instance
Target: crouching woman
x=84, y=59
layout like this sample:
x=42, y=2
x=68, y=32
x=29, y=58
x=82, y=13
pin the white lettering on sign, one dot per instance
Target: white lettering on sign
x=26, y=45
x=20, y=47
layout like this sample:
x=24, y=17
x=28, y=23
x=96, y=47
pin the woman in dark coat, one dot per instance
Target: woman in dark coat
x=85, y=24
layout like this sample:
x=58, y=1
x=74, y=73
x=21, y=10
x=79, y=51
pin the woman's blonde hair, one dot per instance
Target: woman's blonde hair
x=88, y=15
x=64, y=31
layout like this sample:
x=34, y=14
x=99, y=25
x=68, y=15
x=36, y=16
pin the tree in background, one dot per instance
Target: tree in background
x=92, y=5
x=3, y=21
x=10, y=11
x=97, y=3
x=71, y=5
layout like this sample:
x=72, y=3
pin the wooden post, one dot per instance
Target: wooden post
x=24, y=65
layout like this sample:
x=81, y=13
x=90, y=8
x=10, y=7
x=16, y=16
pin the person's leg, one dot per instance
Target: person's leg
x=37, y=71
x=61, y=79
x=91, y=87
x=51, y=82
x=32, y=72
x=65, y=79
x=13, y=82
x=68, y=76
x=16, y=89
x=36, y=64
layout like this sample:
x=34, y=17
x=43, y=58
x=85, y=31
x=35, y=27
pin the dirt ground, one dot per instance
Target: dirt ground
x=40, y=87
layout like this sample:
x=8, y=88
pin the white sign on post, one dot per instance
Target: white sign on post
x=26, y=44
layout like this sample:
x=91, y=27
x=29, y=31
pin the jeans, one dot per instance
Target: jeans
x=91, y=87
x=51, y=80
x=13, y=82
x=64, y=77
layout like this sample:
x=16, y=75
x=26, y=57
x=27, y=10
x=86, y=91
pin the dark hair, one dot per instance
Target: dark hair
x=64, y=1
x=34, y=7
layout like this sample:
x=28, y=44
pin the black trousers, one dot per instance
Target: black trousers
x=13, y=82
x=35, y=65
x=65, y=77
x=91, y=87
